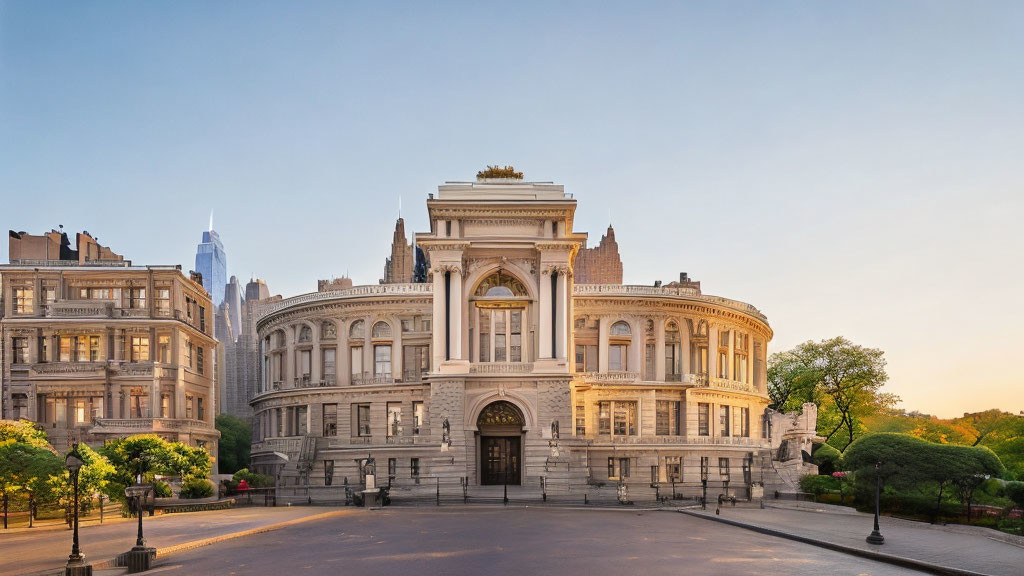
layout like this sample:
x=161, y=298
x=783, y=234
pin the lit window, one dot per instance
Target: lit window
x=723, y=420
x=140, y=349
x=23, y=301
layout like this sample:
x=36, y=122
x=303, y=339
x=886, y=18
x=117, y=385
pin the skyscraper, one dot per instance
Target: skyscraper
x=212, y=263
x=233, y=298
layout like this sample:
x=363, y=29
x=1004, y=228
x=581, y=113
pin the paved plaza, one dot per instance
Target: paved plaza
x=452, y=541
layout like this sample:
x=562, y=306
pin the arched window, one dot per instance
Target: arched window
x=500, y=413
x=305, y=334
x=673, y=353
x=618, y=347
x=381, y=330
x=500, y=285
x=357, y=329
x=499, y=327
x=620, y=328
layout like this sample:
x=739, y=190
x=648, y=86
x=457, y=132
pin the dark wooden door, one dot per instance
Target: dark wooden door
x=499, y=459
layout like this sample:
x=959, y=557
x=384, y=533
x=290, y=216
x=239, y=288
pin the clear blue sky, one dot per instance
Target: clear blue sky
x=851, y=168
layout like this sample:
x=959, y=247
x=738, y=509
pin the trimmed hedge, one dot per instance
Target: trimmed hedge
x=196, y=488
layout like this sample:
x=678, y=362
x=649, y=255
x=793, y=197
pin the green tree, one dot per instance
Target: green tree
x=235, y=443
x=24, y=431
x=25, y=469
x=93, y=478
x=146, y=455
x=842, y=378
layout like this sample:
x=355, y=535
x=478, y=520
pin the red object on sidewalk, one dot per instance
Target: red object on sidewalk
x=243, y=485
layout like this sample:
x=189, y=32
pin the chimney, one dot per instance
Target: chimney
x=684, y=277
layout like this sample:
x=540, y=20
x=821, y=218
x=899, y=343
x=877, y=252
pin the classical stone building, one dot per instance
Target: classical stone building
x=240, y=359
x=95, y=347
x=502, y=369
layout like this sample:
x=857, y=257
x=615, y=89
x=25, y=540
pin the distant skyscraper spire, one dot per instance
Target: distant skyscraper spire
x=211, y=220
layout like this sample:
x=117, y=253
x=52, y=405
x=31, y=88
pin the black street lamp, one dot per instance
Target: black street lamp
x=876, y=537
x=140, y=557
x=76, y=565
x=704, y=465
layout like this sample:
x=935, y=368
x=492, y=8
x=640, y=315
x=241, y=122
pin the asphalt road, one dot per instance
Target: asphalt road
x=495, y=541
x=34, y=551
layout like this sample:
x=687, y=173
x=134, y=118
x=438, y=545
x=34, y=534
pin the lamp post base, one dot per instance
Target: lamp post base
x=76, y=566
x=875, y=538
x=140, y=559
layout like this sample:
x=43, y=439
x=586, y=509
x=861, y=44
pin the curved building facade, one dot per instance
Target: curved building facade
x=500, y=369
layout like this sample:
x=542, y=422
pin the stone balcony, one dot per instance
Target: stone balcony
x=501, y=368
x=149, y=425
x=689, y=380
x=595, y=439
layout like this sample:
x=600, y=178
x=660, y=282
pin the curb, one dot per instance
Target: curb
x=852, y=550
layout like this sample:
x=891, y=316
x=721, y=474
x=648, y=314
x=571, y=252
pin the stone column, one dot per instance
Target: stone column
x=438, y=348
x=713, y=351
x=343, y=357
x=684, y=347
x=544, y=316
x=289, y=359
x=456, y=314
x=659, y=350
x=315, y=371
x=561, y=320
x=750, y=359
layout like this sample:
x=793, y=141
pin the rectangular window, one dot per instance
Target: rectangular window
x=94, y=348
x=97, y=408
x=81, y=349
x=654, y=474
x=137, y=298
x=356, y=356
x=485, y=334
x=382, y=361
x=49, y=294
x=23, y=301
x=165, y=405
x=604, y=417
x=394, y=419
x=305, y=364
x=625, y=418
x=723, y=469
x=667, y=418
x=202, y=319
x=617, y=357
x=673, y=469
x=301, y=420
x=723, y=420
x=581, y=418
x=723, y=365
x=392, y=468
x=140, y=349
x=164, y=347
x=188, y=406
x=618, y=468
x=327, y=365
x=328, y=472
x=188, y=353
x=703, y=419
x=200, y=413
x=59, y=411
x=138, y=406
x=581, y=358
x=44, y=349
x=20, y=350
x=163, y=301
x=414, y=468
x=417, y=417
x=200, y=366
x=363, y=420
x=330, y=419
x=516, y=330
x=416, y=362
x=81, y=410
x=406, y=325
x=744, y=422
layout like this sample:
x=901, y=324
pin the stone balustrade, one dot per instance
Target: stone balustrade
x=355, y=292
x=664, y=291
x=501, y=368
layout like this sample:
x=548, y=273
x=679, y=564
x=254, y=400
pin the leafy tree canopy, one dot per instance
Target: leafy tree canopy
x=27, y=468
x=843, y=379
x=234, y=445
x=24, y=431
x=146, y=455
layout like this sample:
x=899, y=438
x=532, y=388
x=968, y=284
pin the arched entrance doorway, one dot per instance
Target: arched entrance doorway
x=501, y=433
